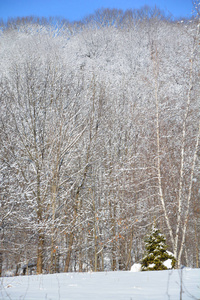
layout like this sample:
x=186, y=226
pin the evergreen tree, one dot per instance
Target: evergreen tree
x=156, y=252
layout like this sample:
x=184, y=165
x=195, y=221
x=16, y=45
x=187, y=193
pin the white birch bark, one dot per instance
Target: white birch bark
x=161, y=196
x=180, y=200
x=188, y=200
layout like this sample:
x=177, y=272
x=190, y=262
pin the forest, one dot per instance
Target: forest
x=99, y=139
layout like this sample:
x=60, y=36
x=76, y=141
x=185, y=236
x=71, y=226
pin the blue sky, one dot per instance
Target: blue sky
x=77, y=9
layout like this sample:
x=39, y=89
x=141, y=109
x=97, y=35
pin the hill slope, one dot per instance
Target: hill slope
x=107, y=286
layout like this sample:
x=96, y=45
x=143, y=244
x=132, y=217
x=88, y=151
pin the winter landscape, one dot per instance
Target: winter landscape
x=100, y=156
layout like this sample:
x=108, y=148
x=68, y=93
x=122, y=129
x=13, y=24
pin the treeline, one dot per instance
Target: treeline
x=99, y=139
x=101, y=17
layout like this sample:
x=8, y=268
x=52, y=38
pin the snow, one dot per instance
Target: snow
x=170, y=253
x=136, y=268
x=168, y=263
x=152, y=285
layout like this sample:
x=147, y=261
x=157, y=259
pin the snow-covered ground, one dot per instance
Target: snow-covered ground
x=155, y=285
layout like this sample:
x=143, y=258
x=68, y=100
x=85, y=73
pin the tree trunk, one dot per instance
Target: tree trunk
x=1, y=263
x=127, y=267
x=196, y=246
x=40, y=254
x=67, y=261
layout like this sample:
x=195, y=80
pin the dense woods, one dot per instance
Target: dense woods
x=99, y=138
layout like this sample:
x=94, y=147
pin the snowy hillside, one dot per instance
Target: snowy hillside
x=104, y=286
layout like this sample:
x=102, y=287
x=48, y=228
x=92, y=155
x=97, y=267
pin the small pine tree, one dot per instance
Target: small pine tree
x=156, y=252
